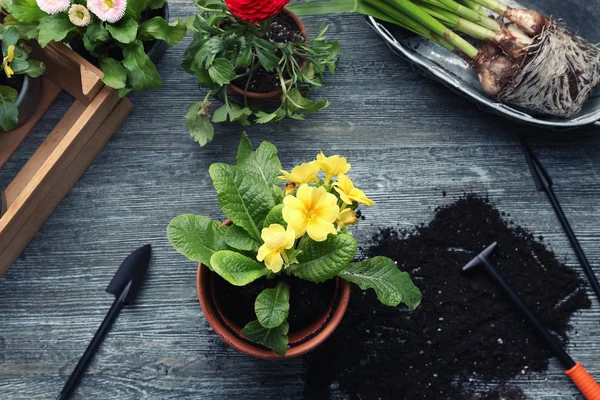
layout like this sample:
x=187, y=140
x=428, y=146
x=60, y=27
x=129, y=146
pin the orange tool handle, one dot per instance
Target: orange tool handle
x=584, y=382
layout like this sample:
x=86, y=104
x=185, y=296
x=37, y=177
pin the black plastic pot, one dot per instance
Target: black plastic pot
x=155, y=49
x=29, y=98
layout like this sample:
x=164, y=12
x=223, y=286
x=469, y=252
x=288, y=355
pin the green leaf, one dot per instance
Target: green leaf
x=196, y=237
x=19, y=65
x=305, y=105
x=239, y=239
x=321, y=261
x=9, y=113
x=391, y=285
x=220, y=114
x=27, y=30
x=10, y=37
x=221, y=71
x=141, y=71
x=244, y=148
x=114, y=73
x=275, y=217
x=275, y=339
x=263, y=164
x=96, y=32
x=155, y=4
x=272, y=306
x=266, y=53
x=34, y=68
x=242, y=197
x=54, y=28
x=236, y=268
x=198, y=123
x=135, y=8
x=158, y=28
x=125, y=31
x=25, y=10
x=244, y=58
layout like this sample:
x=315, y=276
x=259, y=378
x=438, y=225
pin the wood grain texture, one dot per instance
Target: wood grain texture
x=408, y=139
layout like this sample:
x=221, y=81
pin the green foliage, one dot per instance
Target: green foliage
x=275, y=339
x=198, y=123
x=272, y=306
x=226, y=49
x=237, y=238
x=321, y=261
x=236, y=268
x=134, y=71
x=391, y=285
x=9, y=114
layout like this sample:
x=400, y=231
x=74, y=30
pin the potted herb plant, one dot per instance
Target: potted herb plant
x=20, y=90
x=123, y=37
x=273, y=279
x=261, y=52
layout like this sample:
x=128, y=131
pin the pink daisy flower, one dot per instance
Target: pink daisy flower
x=79, y=15
x=108, y=10
x=53, y=6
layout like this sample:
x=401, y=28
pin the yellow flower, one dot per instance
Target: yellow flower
x=9, y=57
x=276, y=240
x=332, y=165
x=303, y=173
x=312, y=210
x=349, y=193
x=346, y=217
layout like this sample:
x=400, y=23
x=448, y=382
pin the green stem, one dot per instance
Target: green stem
x=492, y=5
x=474, y=6
x=466, y=13
x=458, y=23
x=419, y=15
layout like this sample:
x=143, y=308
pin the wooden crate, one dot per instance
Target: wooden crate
x=67, y=151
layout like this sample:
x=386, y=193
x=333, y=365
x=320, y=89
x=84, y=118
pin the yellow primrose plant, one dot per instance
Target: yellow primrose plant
x=285, y=223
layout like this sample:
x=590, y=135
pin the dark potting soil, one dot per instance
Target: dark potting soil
x=283, y=30
x=465, y=330
x=15, y=82
x=308, y=301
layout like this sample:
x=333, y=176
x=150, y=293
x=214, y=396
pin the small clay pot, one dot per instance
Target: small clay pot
x=275, y=94
x=300, y=342
x=156, y=51
x=29, y=98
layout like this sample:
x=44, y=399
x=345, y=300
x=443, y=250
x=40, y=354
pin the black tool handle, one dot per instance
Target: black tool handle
x=585, y=264
x=542, y=332
x=77, y=373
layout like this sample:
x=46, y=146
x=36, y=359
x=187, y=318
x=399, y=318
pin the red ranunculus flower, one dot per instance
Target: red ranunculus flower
x=255, y=11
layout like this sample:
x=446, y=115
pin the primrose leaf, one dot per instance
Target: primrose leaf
x=272, y=306
x=196, y=237
x=236, y=268
x=25, y=10
x=158, y=28
x=141, y=71
x=198, y=123
x=391, y=285
x=275, y=339
x=95, y=32
x=221, y=71
x=244, y=149
x=9, y=113
x=321, y=261
x=114, y=73
x=239, y=239
x=220, y=114
x=125, y=31
x=263, y=164
x=54, y=28
x=242, y=197
x=275, y=216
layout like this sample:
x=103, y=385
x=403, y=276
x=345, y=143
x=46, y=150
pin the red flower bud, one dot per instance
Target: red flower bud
x=255, y=11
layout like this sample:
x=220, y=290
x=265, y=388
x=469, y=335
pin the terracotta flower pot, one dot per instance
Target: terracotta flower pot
x=300, y=342
x=275, y=94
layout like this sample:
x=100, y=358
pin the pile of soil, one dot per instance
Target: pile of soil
x=464, y=331
x=308, y=301
x=283, y=30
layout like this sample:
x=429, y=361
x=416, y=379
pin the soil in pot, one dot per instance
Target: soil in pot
x=308, y=301
x=15, y=82
x=464, y=333
x=283, y=30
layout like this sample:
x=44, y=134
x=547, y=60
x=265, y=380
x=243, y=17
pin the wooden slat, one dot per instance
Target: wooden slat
x=71, y=72
x=71, y=175
x=77, y=136
x=10, y=141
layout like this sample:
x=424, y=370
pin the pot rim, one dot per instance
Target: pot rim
x=274, y=93
x=24, y=89
x=307, y=339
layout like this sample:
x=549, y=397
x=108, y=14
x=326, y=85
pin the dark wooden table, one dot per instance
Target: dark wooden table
x=408, y=139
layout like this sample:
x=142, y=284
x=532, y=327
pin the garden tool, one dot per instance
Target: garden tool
x=574, y=370
x=125, y=285
x=544, y=182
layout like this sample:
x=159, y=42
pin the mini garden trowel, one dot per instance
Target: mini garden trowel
x=125, y=285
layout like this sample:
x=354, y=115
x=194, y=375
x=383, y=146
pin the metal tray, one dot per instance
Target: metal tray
x=449, y=69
